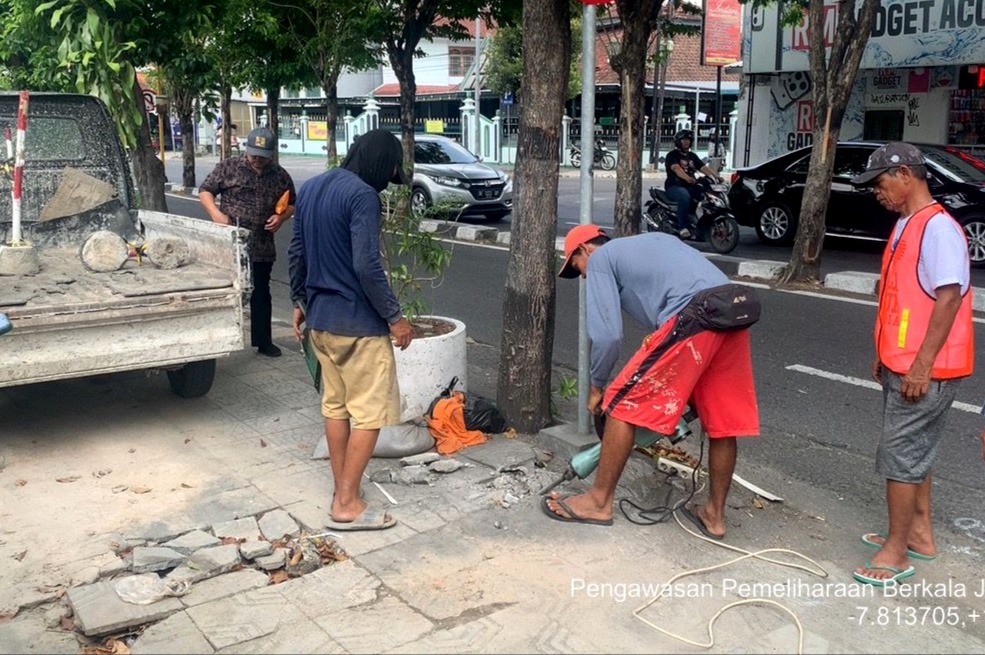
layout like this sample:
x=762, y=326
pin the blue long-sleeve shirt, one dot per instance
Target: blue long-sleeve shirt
x=334, y=257
x=651, y=277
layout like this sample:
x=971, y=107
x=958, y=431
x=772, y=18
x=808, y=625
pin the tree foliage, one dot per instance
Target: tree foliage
x=504, y=67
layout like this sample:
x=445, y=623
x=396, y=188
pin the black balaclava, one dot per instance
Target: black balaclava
x=373, y=157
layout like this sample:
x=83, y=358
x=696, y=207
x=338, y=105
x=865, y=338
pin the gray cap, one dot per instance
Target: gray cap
x=891, y=155
x=261, y=143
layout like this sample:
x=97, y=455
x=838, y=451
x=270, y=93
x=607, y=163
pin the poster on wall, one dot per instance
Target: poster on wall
x=317, y=131
x=721, y=33
x=905, y=34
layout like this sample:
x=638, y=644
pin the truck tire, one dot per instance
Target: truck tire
x=194, y=379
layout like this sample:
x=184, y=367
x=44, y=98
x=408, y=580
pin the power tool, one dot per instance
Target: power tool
x=586, y=461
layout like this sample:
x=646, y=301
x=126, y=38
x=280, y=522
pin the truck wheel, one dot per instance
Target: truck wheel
x=194, y=379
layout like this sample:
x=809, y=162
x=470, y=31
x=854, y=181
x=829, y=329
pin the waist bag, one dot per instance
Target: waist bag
x=724, y=308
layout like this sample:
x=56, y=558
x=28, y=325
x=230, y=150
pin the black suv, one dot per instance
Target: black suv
x=767, y=197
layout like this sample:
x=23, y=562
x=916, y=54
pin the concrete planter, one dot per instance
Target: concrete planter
x=429, y=364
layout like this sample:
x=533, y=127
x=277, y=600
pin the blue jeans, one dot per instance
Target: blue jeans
x=683, y=195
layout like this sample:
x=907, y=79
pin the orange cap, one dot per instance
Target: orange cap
x=577, y=237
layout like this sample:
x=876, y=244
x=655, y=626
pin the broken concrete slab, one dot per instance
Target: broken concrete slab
x=155, y=558
x=245, y=528
x=104, y=252
x=168, y=252
x=421, y=459
x=248, y=616
x=446, y=465
x=277, y=525
x=206, y=563
x=276, y=560
x=99, y=609
x=188, y=543
x=113, y=568
x=223, y=586
x=254, y=549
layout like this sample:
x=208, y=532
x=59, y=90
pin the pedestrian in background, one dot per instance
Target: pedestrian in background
x=249, y=188
x=924, y=348
x=341, y=293
x=655, y=278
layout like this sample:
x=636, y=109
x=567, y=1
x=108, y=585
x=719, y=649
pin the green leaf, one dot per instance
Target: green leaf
x=114, y=66
x=56, y=17
x=44, y=6
x=92, y=21
x=87, y=57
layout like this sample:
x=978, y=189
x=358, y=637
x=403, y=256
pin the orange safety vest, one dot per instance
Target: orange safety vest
x=905, y=308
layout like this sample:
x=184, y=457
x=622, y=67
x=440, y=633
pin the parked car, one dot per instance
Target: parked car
x=446, y=174
x=767, y=197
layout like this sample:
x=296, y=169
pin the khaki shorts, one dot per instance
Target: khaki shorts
x=359, y=378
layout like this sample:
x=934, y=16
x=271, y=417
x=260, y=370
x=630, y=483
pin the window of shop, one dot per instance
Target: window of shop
x=459, y=60
x=883, y=125
x=966, y=120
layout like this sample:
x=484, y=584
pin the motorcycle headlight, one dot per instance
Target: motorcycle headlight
x=444, y=180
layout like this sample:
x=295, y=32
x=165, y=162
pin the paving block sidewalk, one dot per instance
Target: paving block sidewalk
x=473, y=564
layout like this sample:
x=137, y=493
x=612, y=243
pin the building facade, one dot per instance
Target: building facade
x=922, y=79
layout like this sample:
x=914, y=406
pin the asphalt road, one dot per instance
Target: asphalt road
x=820, y=416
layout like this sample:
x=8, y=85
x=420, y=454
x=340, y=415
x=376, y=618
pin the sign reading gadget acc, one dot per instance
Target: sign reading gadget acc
x=904, y=33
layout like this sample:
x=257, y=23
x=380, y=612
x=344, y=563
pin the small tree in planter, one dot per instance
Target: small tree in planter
x=415, y=260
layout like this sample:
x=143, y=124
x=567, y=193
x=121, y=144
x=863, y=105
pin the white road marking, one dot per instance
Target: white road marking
x=868, y=384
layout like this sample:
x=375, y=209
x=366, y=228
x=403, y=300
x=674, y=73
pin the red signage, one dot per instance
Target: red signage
x=721, y=33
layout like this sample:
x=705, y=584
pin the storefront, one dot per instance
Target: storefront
x=922, y=79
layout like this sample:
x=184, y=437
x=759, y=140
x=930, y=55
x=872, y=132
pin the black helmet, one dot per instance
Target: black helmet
x=681, y=135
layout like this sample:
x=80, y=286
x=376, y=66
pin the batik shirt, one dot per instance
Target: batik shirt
x=249, y=198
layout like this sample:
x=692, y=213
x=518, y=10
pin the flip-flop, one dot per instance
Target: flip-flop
x=571, y=517
x=912, y=554
x=370, y=519
x=698, y=523
x=898, y=574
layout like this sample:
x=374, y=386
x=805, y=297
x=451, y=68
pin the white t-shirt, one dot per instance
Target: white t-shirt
x=943, y=256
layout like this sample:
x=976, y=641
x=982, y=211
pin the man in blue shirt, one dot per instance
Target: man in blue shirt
x=337, y=276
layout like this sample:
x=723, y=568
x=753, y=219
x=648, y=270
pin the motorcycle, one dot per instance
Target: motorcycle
x=603, y=157
x=710, y=219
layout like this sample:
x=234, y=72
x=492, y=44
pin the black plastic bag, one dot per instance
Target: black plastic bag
x=480, y=413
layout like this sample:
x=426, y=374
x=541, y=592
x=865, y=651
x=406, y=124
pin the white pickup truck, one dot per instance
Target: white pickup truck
x=70, y=322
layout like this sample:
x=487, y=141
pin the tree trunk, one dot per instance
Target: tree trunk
x=183, y=103
x=273, y=119
x=402, y=61
x=638, y=19
x=524, y=384
x=148, y=170
x=227, y=122
x=187, y=122
x=833, y=78
x=331, y=89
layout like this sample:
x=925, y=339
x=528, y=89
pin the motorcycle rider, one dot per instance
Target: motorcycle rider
x=682, y=186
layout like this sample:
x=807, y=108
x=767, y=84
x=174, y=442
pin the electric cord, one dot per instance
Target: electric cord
x=814, y=569
x=665, y=510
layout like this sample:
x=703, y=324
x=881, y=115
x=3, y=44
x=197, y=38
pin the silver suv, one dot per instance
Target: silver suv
x=448, y=175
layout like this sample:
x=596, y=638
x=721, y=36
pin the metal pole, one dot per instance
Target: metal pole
x=585, y=216
x=478, y=89
x=718, y=108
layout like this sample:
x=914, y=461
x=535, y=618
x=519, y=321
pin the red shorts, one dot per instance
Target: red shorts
x=711, y=370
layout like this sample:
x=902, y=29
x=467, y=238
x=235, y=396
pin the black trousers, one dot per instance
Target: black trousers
x=261, y=306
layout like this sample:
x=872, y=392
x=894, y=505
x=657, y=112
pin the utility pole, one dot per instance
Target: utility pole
x=478, y=87
x=588, y=34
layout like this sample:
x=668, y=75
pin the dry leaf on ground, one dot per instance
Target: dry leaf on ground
x=186, y=486
x=510, y=433
x=6, y=615
x=20, y=483
x=187, y=441
x=20, y=556
x=120, y=488
x=279, y=576
x=297, y=557
x=71, y=478
x=263, y=444
x=231, y=541
x=757, y=503
x=141, y=490
x=67, y=623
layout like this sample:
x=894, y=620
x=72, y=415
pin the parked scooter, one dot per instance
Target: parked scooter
x=711, y=219
x=603, y=157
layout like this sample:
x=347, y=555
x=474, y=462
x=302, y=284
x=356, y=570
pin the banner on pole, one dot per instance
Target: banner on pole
x=721, y=33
